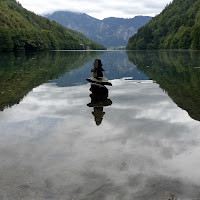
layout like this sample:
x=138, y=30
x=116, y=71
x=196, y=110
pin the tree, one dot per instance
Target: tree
x=196, y=37
x=6, y=43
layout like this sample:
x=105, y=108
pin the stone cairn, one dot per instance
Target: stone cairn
x=98, y=77
x=99, y=96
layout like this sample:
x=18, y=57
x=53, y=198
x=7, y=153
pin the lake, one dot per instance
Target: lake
x=142, y=142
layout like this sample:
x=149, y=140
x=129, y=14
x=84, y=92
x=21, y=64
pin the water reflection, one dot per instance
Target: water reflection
x=21, y=72
x=145, y=148
x=99, y=99
x=178, y=73
x=117, y=66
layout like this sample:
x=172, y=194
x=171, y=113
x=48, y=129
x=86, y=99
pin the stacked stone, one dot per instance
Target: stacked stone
x=99, y=96
x=98, y=77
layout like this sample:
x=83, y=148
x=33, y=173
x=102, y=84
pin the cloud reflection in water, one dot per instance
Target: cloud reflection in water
x=145, y=148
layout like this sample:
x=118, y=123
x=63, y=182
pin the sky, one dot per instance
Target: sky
x=99, y=9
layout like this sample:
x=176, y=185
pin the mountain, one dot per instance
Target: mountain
x=110, y=32
x=176, y=27
x=21, y=29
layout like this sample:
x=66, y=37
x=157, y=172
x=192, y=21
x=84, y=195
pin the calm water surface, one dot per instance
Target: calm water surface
x=147, y=142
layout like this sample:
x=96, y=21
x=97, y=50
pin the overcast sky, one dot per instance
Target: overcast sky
x=98, y=8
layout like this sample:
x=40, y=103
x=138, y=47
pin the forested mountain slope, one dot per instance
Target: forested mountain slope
x=176, y=27
x=21, y=29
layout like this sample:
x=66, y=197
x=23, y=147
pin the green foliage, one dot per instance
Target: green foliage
x=23, y=30
x=6, y=43
x=176, y=27
x=196, y=37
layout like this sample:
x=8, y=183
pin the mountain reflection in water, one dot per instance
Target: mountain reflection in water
x=146, y=147
x=21, y=72
x=178, y=73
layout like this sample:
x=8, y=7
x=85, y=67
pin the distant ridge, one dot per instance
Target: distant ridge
x=110, y=32
x=176, y=27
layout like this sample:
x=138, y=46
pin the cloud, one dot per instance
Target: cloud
x=99, y=9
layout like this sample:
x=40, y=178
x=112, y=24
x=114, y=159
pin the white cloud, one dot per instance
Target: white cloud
x=99, y=9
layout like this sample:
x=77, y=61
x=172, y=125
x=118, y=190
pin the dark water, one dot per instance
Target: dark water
x=146, y=146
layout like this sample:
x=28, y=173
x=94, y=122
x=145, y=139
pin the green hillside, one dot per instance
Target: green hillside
x=21, y=29
x=176, y=27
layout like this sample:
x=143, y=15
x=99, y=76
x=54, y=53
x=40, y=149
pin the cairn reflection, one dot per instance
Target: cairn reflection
x=99, y=95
